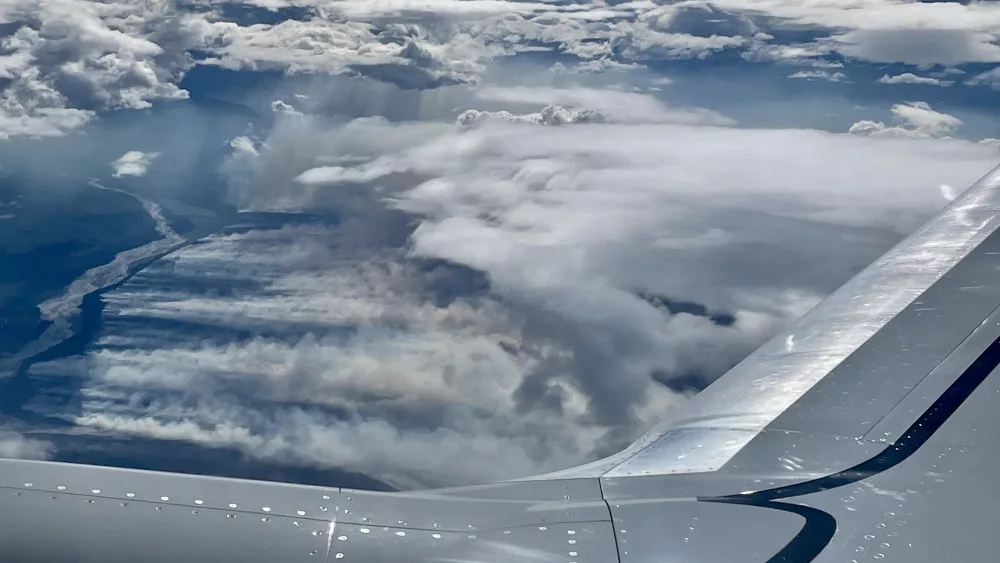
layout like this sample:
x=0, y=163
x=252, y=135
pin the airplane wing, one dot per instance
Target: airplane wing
x=862, y=433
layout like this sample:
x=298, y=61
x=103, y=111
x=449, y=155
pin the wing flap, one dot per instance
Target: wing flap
x=858, y=393
x=973, y=359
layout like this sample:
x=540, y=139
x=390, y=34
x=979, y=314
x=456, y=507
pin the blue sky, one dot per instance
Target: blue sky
x=439, y=227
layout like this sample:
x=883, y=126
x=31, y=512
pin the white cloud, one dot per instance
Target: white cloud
x=910, y=78
x=588, y=236
x=639, y=42
x=682, y=30
x=387, y=378
x=91, y=57
x=284, y=108
x=877, y=30
x=18, y=121
x=17, y=446
x=70, y=58
x=699, y=18
x=405, y=57
x=559, y=219
x=614, y=105
x=891, y=30
x=133, y=163
x=819, y=74
x=447, y=42
x=918, y=46
x=550, y=115
x=917, y=119
x=802, y=54
x=594, y=66
x=400, y=8
x=989, y=78
x=67, y=59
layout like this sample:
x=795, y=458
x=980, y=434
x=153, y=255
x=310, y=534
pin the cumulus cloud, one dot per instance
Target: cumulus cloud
x=133, y=163
x=910, y=78
x=583, y=105
x=86, y=57
x=549, y=115
x=880, y=30
x=431, y=44
x=683, y=30
x=66, y=60
x=643, y=43
x=819, y=74
x=405, y=57
x=700, y=19
x=993, y=142
x=278, y=106
x=612, y=105
x=917, y=120
x=597, y=274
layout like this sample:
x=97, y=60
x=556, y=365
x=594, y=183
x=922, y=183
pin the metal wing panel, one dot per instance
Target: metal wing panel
x=167, y=489
x=480, y=508
x=933, y=502
x=580, y=542
x=892, y=426
x=775, y=458
x=863, y=388
x=39, y=526
x=654, y=530
x=927, y=497
x=67, y=513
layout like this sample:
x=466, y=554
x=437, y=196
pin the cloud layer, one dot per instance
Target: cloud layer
x=463, y=304
x=524, y=283
x=62, y=62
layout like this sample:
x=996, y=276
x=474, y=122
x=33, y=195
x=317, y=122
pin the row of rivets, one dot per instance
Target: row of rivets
x=198, y=502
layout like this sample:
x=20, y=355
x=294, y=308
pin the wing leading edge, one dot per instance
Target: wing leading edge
x=860, y=433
